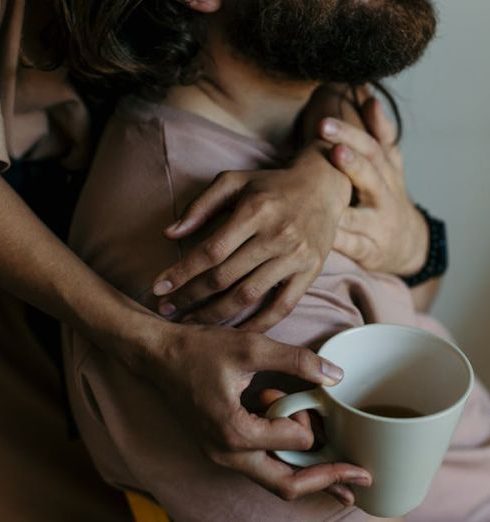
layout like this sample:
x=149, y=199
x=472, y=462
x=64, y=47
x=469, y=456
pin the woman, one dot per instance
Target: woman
x=44, y=118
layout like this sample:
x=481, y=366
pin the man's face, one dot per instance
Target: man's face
x=352, y=41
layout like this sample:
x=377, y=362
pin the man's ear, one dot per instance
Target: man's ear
x=204, y=6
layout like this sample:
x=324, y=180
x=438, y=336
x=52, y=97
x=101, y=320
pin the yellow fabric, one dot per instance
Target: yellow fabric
x=144, y=510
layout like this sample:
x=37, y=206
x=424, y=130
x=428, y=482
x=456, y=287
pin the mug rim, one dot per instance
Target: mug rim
x=396, y=420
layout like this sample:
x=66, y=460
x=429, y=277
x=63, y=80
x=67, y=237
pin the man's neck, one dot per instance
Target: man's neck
x=237, y=95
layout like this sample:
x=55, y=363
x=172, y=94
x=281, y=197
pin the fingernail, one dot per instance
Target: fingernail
x=330, y=127
x=333, y=373
x=175, y=226
x=361, y=480
x=162, y=288
x=167, y=309
x=347, y=155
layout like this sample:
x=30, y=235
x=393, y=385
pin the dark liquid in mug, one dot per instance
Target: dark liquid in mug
x=388, y=410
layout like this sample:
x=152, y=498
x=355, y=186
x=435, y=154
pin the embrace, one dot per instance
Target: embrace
x=206, y=296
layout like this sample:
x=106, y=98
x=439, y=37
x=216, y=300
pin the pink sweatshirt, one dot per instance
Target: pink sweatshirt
x=152, y=161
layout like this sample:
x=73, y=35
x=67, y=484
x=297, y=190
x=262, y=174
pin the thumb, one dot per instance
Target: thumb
x=299, y=362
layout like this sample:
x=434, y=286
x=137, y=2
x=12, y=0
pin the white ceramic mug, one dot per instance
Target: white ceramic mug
x=387, y=365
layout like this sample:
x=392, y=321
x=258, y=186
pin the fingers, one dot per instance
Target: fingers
x=248, y=293
x=361, y=172
x=295, y=361
x=269, y=396
x=259, y=433
x=284, y=302
x=224, y=189
x=338, y=132
x=383, y=130
x=342, y=493
x=210, y=253
x=291, y=484
x=244, y=261
x=377, y=123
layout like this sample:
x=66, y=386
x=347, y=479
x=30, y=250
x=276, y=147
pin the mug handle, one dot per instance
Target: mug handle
x=291, y=404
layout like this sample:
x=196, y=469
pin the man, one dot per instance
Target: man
x=259, y=64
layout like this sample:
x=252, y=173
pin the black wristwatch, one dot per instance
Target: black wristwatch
x=437, y=258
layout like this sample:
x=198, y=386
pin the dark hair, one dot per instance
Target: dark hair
x=145, y=46
x=131, y=45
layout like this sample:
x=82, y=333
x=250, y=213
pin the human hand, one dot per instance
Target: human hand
x=384, y=232
x=203, y=371
x=341, y=491
x=279, y=235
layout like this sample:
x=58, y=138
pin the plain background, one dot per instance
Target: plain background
x=444, y=100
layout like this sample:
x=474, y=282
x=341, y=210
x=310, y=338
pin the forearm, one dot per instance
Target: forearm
x=38, y=268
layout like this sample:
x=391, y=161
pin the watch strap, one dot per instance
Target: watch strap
x=437, y=257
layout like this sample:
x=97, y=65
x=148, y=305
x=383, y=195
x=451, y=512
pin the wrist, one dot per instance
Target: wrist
x=117, y=324
x=436, y=261
x=140, y=338
x=333, y=184
x=417, y=253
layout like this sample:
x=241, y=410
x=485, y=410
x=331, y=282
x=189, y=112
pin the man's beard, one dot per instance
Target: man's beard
x=351, y=41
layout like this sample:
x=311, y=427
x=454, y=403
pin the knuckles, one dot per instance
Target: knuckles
x=288, y=491
x=285, y=308
x=178, y=273
x=247, y=295
x=250, y=351
x=290, y=236
x=215, y=251
x=263, y=205
x=218, y=280
x=374, y=151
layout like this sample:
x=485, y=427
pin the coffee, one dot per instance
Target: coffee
x=389, y=410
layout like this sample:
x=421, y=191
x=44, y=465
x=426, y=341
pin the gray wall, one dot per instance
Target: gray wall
x=447, y=150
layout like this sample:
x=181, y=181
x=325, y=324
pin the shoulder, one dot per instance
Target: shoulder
x=133, y=112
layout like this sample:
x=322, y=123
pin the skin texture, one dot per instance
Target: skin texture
x=36, y=267
x=281, y=246
x=370, y=232
x=236, y=95
x=383, y=232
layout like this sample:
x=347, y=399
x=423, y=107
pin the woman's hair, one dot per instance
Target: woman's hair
x=131, y=45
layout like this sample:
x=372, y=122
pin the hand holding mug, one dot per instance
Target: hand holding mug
x=393, y=414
